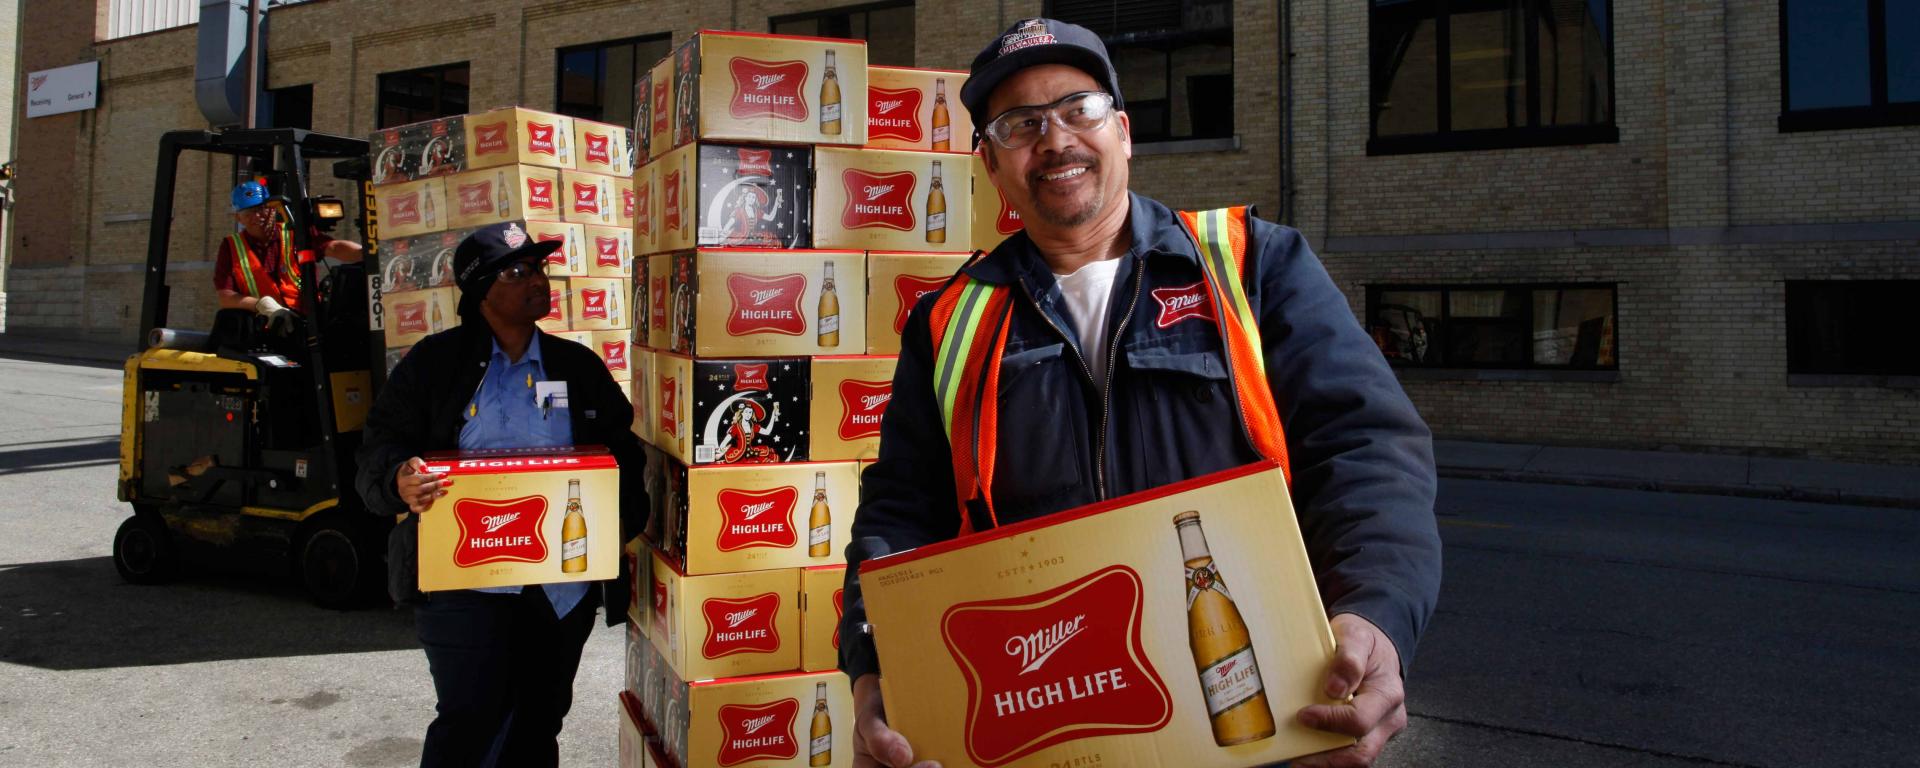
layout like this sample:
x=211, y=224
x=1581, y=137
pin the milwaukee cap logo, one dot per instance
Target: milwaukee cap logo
x=740, y=626
x=775, y=89
x=514, y=235
x=766, y=304
x=1183, y=303
x=763, y=732
x=894, y=114
x=882, y=200
x=500, y=531
x=750, y=519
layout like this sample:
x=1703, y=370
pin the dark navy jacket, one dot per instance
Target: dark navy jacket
x=1362, y=459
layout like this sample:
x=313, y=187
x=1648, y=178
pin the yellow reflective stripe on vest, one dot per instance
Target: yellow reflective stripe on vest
x=1223, y=271
x=950, y=361
x=245, y=260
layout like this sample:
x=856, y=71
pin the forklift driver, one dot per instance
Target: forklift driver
x=253, y=271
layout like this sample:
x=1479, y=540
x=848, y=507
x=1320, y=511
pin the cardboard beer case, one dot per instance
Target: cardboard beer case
x=731, y=411
x=640, y=389
x=727, y=195
x=616, y=351
x=784, y=719
x=743, y=86
x=504, y=520
x=414, y=315
x=412, y=208
x=1175, y=627
x=728, y=624
x=750, y=303
x=993, y=219
x=850, y=394
x=895, y=281
x=504, y=193
x=559, y=317
x=418, y=150
x=760, y=517
x=917, y=109
x=658, y=113
x=822, y=603
x=598, y=304
x=659, y=302
x=629, y=206
x=633, y=738
x=604, y=149
x=582, y=338
x=639, y=560
x=609, y=251
x=418, y=262
x=590, y=198
x=642, y=187
x=892, y=200
x=519, y=136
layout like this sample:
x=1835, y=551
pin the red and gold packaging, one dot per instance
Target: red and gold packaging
x=993, y=219
x=414, y=315
x=615, y=350
x=418, y=150
x=849, y=396
x=504, y=193
x=571, y=260
x=598, y=304
x=633, y=739
x=822, y=603
x=732, y=411
x=794, y=719
x=895, y=280
x=660, y=107
x=411, y=208
x=559, y=317
x=604, y=149
x=917, y=109
x=729, y=624
x=735, y=196
x=520, y=136
x=646, y=215
x=759, y=517
x=639, y=560
x=421, y=261
x=659, y=301
x=1107, y=633
x=742, y=86
x=589, y=198
x=522, y=518
x=641, y=391
x=609, y=251
x=884, y=199
x=624, y=213
x=748, y=302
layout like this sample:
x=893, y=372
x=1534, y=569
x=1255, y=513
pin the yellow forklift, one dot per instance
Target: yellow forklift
x=240, y=440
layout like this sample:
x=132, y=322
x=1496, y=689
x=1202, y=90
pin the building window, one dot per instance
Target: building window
x=887, y=27
x=1490, y=74
x=1849, y=64
x=596, y=81
x=1496, y=326
x=1852, y=327
x=422, y=94
x=290, y=107
x=1174, y=58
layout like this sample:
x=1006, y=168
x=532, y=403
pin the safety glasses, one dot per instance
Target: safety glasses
x=1080, y=112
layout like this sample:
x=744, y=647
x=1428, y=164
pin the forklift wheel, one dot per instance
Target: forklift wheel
x=336, y=568
x=143, y=552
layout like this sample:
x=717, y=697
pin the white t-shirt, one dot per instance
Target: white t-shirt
x=1087, y=293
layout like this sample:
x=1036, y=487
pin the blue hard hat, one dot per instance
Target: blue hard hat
x=248, y=195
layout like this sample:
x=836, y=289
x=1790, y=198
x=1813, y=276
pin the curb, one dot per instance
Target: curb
x=1778, y=493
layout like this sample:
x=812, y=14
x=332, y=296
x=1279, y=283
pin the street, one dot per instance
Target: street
x=1577, y=627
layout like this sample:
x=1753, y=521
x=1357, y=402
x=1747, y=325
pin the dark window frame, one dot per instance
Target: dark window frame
x=439, y=92
x=774, y=22
x=1442, y=338
x=1166, y=43
x=1447, y=140
x=1880, y=113
x=639, y=67
x=277, y=116
x=1800, y=332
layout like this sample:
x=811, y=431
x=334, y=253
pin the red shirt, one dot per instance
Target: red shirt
x=267, y=251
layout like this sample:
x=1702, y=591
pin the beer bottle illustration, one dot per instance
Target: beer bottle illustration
x=573, y=533
x=1222, y=651
x=505, y=192
x=829, y=312
x=560, y=141
x=435, y=323
x=426, y=207
x=830, y=99
x=942, y=127
x=820, y=521
x=820, y=747
x=936, y=208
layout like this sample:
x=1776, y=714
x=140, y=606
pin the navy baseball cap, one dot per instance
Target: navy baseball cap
x=1030, y=42
x=480, y=257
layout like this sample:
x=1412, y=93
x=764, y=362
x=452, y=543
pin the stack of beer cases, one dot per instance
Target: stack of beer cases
x=552, y=177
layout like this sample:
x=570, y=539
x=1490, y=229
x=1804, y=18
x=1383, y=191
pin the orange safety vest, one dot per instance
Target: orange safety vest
x=969, y=324
x=251, y=271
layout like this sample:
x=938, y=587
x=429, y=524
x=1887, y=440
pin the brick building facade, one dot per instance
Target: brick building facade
x=1621, y=277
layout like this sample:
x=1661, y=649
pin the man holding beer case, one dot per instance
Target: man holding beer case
x=502, y=659
x=1113, y=354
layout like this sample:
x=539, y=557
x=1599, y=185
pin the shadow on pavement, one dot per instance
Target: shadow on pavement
x=82, y=452
x=59, y=359
x=79, y=614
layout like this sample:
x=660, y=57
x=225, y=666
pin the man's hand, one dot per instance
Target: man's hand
x=874, y=744
x=418, y=487
x=280, y=320
x=1365, y=666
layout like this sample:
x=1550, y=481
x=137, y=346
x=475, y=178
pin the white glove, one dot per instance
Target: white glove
x=279, y=319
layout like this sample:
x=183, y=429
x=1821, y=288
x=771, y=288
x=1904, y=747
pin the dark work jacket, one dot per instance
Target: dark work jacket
x=424, y=406
x=1362, y=459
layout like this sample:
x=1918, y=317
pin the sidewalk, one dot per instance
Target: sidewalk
x=58, y=349
x=1725, y=475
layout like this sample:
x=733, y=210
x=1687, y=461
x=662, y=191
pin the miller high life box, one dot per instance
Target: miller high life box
x=792, y=719
x=519, y=136
x=421, y=261
x=418, y=150
x=917, y=109
x=750, y=518
x=609, y=251
x=532, y=517
x=726, y=195
x=1179, y=626
x=571, y=260
x=884, y=199
x=604, y=149
x=633, y=739
x=993, y=219
x=504, y=193
x=629, y=207
x=728, y=624
x=849, y=396
x=640, y=392
x=659, y=110
x=822, y=602
x=747, y=302
x=731, y=411
x=598, y=304
x=646, y=217
x=590, y=198
x=582, y=338
x=615, y=350
x=639, y=559
x=896, y=280
x=752, y=87
x=411, y=208
x=559, y=301
x=659, y=302
x=414, y=315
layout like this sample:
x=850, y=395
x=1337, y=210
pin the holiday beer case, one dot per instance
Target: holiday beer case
x=751, y=411
x=519, y=518
x=1176, y=627
x=738, y=196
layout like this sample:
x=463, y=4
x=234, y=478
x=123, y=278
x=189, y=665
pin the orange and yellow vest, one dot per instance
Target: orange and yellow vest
x=250, y=270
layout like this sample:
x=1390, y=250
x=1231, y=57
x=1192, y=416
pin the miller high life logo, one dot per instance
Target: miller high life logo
x=615, y=353
x=500, y=531
x=405, y=209
x=839, y=612
x=757, y=519
x=1183, y=303
x=539, y=194
x=540, y=138
x=755, y=162
x=894, y=114
x=662, y=111
x=586, y=197
x=750, y=377
x=669, y=408
x=1008, y=222
x=775, y=89
x=490, y=139
x=740, y=626
x=559, y=256
x=593, y=303
x=599, y=149
x=764, y=732
x=670, y=190
x=553, y=301
x=861, y=405
x=411, y=317
x=766, y=304
x=476, y=199
x=878, y=200
x=1057, y=666
x=628, y=202
x=38, y=80
x=607, y=252
x=657, y=301
x=910, y=288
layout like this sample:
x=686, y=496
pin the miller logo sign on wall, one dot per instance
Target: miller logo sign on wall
x=500, y=523
x=70, y=88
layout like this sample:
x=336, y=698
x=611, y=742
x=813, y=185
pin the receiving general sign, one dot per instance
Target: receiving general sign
x=65, y=89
